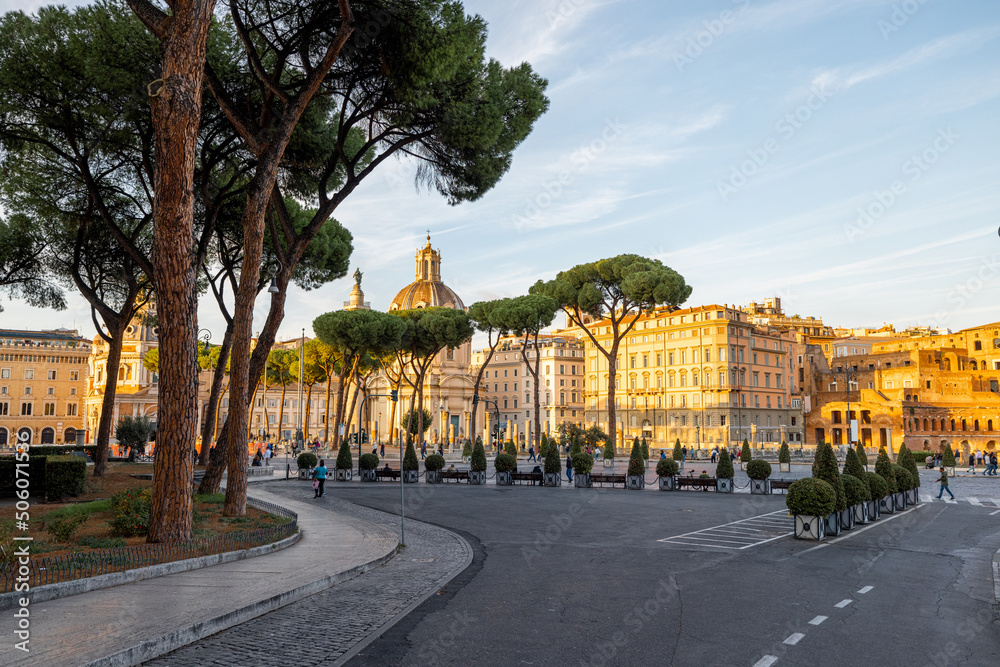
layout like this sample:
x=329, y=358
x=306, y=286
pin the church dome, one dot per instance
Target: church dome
x=427, y=290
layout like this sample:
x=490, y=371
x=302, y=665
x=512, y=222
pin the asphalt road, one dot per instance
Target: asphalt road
x=580, y=577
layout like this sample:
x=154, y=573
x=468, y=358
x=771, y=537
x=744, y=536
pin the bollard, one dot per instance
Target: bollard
x=288, y=468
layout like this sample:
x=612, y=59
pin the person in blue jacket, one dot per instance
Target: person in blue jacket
x=319, y=474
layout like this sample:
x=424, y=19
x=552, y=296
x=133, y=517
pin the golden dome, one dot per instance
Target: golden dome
x=427, y=290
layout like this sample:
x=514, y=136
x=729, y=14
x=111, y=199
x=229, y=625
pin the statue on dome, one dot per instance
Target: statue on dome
x=357, y=277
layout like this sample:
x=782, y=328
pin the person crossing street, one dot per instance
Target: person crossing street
x=943, y=479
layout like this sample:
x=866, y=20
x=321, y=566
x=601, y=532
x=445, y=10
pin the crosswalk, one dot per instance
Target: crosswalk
x=988, y=503
x=737, y=535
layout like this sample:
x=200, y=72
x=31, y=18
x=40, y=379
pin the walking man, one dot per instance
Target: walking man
x=944, y=484
x=972, y=463
x=569, y=468
x=531, y=454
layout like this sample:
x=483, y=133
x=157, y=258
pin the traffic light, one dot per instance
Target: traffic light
x=394, y=395
x=475, y=399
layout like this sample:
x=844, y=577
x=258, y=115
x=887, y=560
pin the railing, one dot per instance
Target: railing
x=53, y=569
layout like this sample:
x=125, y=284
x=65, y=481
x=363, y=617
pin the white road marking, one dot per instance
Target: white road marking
x=843, y=603
x=974, y=501
x=737, y=535
x=997, y=512
x=995, y=501
x=817, y=620
x=865, y=590
x=766, y=661
x=794, y=638
x=858, y=531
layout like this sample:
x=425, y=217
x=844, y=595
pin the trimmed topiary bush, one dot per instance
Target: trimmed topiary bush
x=825, y=468
x=667, y=467
x=636, y=467
x=466, y=449
x=883, y=466
x=434, y=462
x=811, y=497
x=307, y=460
x=677, y=455
x=64, y=476
x=906, y=460
x=724, y=468
x=948, y=458
x=553, y=462
x=784, y=456
x=745, y=455
x=577, y=447
x=855, y=490
x=478, y=461
x=510, y=448
x=862, y=457
x=904, y=480
x=609, y=451
x=758, y=469
x=583, y=463
x=410, y=461
x=852, y=467
x=344, y=460
x=877, y=485
x=505, y=463
x=368, y=461
x=645, y=448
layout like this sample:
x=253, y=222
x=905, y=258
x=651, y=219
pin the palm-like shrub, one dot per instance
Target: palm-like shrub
x=344, y=460
x=678, y=454
x=478, y=461
x=784, y=456
x=877, y=485
x=758, y=469
x=825, y=468
x=307, y=460
x=368, y=461
x=666, y=467
x=636, y=467
x=505, y=463
x=553, y=463
x=583, y=463
x=410, y=461
x=811, y=497
x=883, y=466
x=862, y=457
x=433, y=462
x=745, y=454
x=948, y=458
x=724, y=469
x=855, y=489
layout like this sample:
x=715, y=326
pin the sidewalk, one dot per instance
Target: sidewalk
x=128, y=624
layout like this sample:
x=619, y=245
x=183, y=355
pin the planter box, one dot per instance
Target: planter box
x=847, y=519
x=831, y=524
x=668, y=483
x=432, y=476
x=609, y=463
x=306, y=474
x=784, y=467
x=477, y=477
x=860, y=513
x=760, y=487
x=886, y=505
x=914, y=496
x=724, y=485
x=582, y=480
x=809, y=527
x=411, y=476
x=872, y=511
x=551, y=479
x=503, y=479
x=465, y=459
x=634, y=482
x=343, y=475
x=367, y=475
x=900, y=499
x=950, y=470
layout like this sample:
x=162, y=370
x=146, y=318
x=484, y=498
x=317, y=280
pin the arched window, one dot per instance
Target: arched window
x=989, y=424
x=975, y=426
x=3, y=437
x=925, y=424
x=69, y=435
x=963, y=425
x=48, y=436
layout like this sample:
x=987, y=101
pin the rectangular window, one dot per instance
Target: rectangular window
x=29, y=374
x=52, y=375
x=74, y=375
x=4, y=408
x=4, y=373
x=27, y=391
x=26, y=409
x=52, y=391
x=71, y=410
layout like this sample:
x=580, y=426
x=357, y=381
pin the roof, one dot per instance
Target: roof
x=426, y=294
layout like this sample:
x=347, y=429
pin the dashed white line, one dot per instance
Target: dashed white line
x=843, y=603
x=865, y=590
x=794, y=638
x=997, y=512
x=766, y=661
x=817, y=620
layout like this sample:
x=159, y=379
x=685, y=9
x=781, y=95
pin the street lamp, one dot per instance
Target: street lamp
x=850, y=373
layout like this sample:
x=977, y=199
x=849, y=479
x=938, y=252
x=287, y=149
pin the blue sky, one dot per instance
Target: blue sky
x=842, y=155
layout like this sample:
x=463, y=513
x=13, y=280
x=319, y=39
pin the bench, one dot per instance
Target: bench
x=457, y=475
x=386, y=474
x=782, y=484
x=702, y=483
x=530, y=477
x=602, y=479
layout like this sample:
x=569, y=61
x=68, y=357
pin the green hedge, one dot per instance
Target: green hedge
x=36, y=475
x=583, y=463
x=855, y=489
x=368, y=461
x=758, y=469
x=667, y=467
x=64, y=476
x=307, y=460
x=58, y=450
x=504, y=462
x=904, y=480
x=948, y=457
x=920, y=455
x=434, y=462
x=811, y=497
x=877, y=485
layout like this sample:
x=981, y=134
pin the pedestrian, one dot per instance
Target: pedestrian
x=381, y=449
x=663, y=455
x=944, y=484
x=732, y=457
x=267, y=456
x=715, y=454
x=423, y=450
x=319, y=479
x=569, y=468
x=993, y=463
x=258, y=458
x=531, y=454
x=979, y=457
x=972, y=463
x=684, y=453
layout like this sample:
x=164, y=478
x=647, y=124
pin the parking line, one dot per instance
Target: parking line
x=766, y=661
x=817, y=620
x=794, y=638
x=865, y=590
x=843, y=603
x=858, y=531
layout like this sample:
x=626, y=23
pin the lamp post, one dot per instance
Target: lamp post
x=848, y=374
x=302, y=352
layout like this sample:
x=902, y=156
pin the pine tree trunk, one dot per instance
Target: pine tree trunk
x=210, y=427
x=309, y=393
x=612, y=371
x=326, y=408
x=108, y=401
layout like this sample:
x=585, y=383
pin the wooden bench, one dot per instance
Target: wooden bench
x=782, y=484
x=530, y=477
x=602, y=479
x=386, y=474
x=702, y=483
x=457, y=475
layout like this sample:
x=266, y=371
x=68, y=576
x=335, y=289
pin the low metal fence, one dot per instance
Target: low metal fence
x=41, y=570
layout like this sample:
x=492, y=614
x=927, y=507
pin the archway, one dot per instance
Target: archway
x=69, y=435
x=991, y=445
x=48, y=436
x=24, y=435
x=647, y=429
x=3, y=437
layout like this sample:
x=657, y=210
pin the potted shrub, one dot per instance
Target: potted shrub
x=411, y=465
x=666, y=470
x=878, y=490
x=857, y=496
x=344, y=463
x=903, y=483
x=825, y=468
x=759, y=472
x=634, y=479
x=645, y=449
x=433, y=465
x=510, y=448
x=306, y=462
x=609, y=455
x=477, y=464
x=583, y=463
x=810, y=501
x=948, y=460
x=678, y=454
x=906, y=459
x=724, y=473
x=637, y=447
x=859, y=450
x=466, y=451
x=883, y=467
x=745, y=455
x=368, y=463
x=505, y=464
x=552, y=475
x=784, y=458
